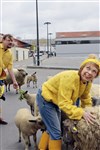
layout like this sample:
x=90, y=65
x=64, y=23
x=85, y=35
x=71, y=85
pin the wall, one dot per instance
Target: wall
x=77, y=49
x=19, y=53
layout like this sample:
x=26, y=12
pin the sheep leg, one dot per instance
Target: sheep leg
x=26, y=141
x=28, y=85
x=33, y=84
x=29, y=141
x=36, y=84
x=8, y=87
x=32, y=110
x=35, y=142
x=19, y=135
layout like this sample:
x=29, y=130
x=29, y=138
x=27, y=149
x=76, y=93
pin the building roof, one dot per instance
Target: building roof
x=77, y=34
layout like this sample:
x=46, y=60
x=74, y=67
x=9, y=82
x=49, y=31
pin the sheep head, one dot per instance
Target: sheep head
x=69, y=130
x=22, y=92
x=38, y=122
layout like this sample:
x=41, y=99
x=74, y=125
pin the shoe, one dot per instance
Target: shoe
x=3, y=122
x=3, y=97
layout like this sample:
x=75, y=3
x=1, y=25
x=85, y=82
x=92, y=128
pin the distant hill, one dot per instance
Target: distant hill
x=42, y=42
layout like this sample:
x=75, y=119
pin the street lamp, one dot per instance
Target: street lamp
x=47, y=23
x=50, y=41
x=37, y=27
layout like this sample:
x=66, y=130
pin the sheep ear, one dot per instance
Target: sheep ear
x=34, y=73
x=19, y=69
x=26, y=92
x=65, y=122
x=34, y=121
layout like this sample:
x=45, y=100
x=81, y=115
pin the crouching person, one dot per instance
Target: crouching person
x=61, y=93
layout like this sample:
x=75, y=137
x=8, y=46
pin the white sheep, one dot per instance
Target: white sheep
x=28, y=125
x=32, y=78
x=95, y=93
x=31, y=101
x=20, y=75
x=95, y=90
x=85, y=137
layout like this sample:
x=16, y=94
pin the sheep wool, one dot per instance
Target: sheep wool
x=88, y=136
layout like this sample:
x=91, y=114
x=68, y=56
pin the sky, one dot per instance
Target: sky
x=18, y=17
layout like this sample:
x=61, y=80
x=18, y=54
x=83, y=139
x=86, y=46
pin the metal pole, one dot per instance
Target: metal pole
x=47, y=39
x=38, y=60
x=50, y=41
x=47, y=23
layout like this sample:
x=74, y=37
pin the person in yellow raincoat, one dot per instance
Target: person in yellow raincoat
x=6, y=62
x=61, y=92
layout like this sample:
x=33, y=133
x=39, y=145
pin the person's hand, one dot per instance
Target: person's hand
x=89, y=118
x=15, y=85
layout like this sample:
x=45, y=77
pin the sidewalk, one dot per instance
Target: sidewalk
x=59, y=62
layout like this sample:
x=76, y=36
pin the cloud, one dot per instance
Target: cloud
x=19, y=17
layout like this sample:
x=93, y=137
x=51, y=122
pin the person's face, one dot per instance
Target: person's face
x=8, y=42
x=89, y=72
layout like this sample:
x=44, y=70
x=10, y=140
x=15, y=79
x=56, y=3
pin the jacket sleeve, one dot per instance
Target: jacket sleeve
x=65, y=102
x=86, y=100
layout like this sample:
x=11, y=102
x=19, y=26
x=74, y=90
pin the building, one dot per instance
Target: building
x=77, y=43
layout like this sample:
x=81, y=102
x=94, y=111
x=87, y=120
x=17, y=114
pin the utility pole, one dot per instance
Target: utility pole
x=50, y=42
x=47, y=23
x=37, y=27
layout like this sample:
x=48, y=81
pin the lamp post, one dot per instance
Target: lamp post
x=47, y=23
x=37, y=29
x=50, y=41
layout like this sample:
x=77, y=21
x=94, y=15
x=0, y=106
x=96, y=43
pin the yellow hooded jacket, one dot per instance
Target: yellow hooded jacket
x=64, y=89
x=6, y=59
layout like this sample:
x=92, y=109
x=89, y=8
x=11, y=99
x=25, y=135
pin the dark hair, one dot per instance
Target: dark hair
x=7, y=35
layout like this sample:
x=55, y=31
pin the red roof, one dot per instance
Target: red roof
x=77, y=34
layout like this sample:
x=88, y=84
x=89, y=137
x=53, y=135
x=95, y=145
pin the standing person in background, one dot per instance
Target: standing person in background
x=61, y=92
x=6, y=62
x=34, y=58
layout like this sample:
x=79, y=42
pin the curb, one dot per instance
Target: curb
x=51, y=67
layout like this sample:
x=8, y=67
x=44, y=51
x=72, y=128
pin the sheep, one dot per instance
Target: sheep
x=20, y=75
x=32, y=78
x=31, y=101
x=95, y=101
x=95, y=90
x=82, y=136
x=95, y=93
x=28, y=125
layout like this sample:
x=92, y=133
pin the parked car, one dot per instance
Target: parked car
x=40, y=54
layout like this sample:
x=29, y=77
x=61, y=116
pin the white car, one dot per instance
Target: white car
x=40, y=54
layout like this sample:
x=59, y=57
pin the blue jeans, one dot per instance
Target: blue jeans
x=51, y=116
x=1, y=82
